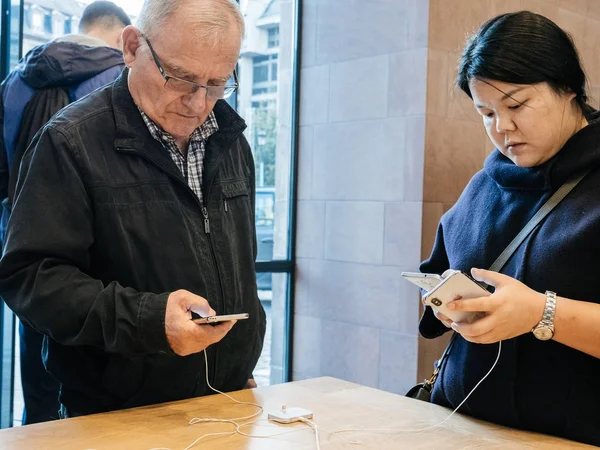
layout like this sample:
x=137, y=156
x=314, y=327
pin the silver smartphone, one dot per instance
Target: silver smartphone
x=216, y=319
x=455, y=284
x=427, y=281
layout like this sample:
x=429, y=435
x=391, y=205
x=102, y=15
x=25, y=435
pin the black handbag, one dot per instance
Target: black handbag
x=422, y=391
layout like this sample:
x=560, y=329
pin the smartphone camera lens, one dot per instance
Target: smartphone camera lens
x=436, y=302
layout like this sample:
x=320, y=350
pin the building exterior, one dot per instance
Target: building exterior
x=44, y=20
x=258, y=72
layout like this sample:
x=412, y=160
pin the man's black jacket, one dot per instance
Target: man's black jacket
x=104, y=227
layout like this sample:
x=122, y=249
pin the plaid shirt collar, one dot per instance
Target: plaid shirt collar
x=190, y=163
x=202, y=133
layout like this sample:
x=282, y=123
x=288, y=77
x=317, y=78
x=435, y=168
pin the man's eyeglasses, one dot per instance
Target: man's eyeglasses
x=215, y=92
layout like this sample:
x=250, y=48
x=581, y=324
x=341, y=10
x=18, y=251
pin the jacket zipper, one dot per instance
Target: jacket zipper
x=206, y=221
x=212, y=251
x=212, y=376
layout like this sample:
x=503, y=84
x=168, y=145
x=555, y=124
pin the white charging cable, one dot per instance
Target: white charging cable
x=470, y=393
x=314, y=426
x=421, y=430
x=311, y=423
x=238, y=426
x=233, y=422
x=196, y=420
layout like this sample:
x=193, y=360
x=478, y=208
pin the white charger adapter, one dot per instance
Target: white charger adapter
x=290, y=415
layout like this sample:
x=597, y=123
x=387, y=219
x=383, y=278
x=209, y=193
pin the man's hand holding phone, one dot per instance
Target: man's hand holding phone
x=184, y=336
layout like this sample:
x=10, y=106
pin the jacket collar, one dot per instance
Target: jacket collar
x=580, y=152
x=132, y=133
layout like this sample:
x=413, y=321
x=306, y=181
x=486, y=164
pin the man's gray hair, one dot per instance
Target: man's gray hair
x=210, y=17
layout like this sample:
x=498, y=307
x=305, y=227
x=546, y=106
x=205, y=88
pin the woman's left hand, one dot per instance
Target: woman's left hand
x=512, y=310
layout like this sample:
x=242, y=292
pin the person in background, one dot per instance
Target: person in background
x=525, y=78
x=50, y=77
x=134, y=209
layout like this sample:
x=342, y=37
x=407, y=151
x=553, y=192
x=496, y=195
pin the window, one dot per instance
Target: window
x=75, y=24
x=273, y=37
x=37, y=21
x=264, y=74
x=265, y=210
x=48, y=23
x=27, y=17
x=264, y=100
x=58, y=25
x=271, y=366
x=261, y=69
x=265, y=104
x=40, y=24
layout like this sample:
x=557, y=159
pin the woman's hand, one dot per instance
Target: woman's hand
x=442, y=318
x=512, y=310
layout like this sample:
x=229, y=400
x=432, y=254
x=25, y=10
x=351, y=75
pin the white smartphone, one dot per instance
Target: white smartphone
x=426, y=281
x=216, y=319
x=457, y=283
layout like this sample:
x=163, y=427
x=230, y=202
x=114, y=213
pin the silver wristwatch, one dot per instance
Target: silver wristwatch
x=544, y=330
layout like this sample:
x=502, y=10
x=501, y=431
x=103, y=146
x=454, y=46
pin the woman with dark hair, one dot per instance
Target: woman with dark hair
x=525, y=78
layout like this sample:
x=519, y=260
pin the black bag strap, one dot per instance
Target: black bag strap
x=441, y=361
x=546, y=208
x=550, y=204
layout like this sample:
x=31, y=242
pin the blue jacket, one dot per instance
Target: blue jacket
x=79, y=69
x=541, y=386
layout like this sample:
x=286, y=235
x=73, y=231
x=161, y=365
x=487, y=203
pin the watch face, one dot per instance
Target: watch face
x=543, y=333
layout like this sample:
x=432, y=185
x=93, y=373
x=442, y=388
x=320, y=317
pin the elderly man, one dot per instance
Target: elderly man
x=135, y=207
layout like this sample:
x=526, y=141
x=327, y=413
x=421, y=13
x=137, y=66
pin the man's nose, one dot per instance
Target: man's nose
x=196, y=101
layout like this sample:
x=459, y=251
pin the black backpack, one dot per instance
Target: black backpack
x=44, y=104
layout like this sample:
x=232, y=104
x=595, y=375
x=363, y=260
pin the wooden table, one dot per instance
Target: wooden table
x=336, y=404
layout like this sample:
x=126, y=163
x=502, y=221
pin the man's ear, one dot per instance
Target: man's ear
x=131, y=43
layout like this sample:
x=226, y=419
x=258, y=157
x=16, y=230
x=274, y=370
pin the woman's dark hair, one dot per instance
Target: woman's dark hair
x=524, y=48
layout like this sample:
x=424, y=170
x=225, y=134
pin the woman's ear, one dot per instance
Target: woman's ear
x=569, y=95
